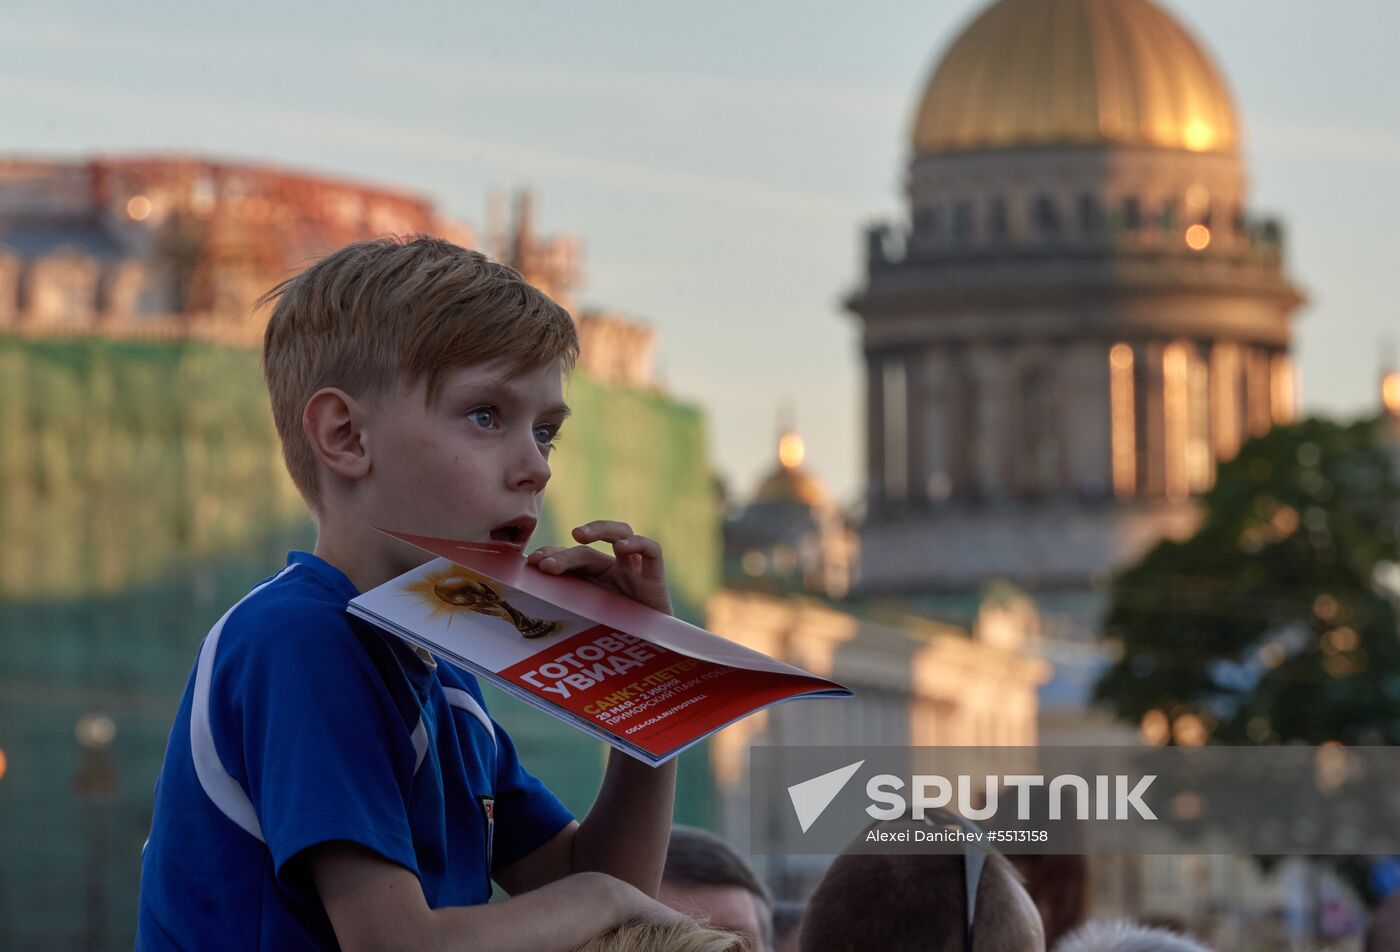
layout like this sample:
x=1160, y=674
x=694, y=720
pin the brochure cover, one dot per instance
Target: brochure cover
x=641, y=680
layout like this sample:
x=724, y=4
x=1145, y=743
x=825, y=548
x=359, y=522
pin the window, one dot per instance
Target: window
x=1045, y=214
x=1038, y=459
x=1090, y=214
x=967, y=434
x=1132, y=213
x=998, y=228
x=962, y=221
x=928, y=225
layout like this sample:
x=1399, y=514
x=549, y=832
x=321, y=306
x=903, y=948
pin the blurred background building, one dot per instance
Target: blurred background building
x=1080, y=317
x=144, y=490
x=171, y=245
x=789, y=566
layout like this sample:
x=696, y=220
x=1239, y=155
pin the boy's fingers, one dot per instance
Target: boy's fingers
x=579, y=559
x=648, y=549
x=543, y=552
x=605, y=530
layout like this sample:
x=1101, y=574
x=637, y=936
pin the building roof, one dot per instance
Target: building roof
x=1076, y=72
x=41, y=238
x=789, y=482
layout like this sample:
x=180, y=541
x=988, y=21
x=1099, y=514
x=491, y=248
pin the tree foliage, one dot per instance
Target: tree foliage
x=1277, y=620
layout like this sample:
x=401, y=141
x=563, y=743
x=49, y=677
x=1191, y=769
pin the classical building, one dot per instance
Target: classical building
x=1081, y=315
x=792, y=535
x=171, y=245
x=916, y=682
x=968, y=679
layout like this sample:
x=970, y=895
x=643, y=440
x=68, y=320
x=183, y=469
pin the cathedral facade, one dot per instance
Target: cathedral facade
x=1082, y=314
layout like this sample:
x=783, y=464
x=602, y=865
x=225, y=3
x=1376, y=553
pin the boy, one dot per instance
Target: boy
x=326, y=783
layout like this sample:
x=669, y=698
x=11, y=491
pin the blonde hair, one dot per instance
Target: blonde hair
x=1125, y=936
x=677, y=938
x=396, y=310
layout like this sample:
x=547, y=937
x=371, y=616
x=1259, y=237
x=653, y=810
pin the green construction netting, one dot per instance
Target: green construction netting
x=143, y=494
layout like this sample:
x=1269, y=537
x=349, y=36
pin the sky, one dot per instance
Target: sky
x=718, y=162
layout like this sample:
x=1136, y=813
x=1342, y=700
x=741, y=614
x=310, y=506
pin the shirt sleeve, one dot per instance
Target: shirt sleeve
x=326, y=754
x=527, y=813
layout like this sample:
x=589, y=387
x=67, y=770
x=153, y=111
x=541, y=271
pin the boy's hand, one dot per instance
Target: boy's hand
x=629, y=903
x=634, y=569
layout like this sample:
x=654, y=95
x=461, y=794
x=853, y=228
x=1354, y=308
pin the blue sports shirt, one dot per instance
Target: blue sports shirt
x=301, y=725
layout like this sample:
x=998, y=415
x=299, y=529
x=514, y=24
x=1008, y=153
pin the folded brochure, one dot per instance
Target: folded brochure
x=643, y=681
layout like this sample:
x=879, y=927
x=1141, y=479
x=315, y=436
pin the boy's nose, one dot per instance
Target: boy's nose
x=531, y=469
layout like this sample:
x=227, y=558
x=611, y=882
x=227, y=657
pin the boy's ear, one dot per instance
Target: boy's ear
x=333, y=422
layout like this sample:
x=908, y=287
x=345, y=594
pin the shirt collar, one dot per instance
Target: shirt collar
x=339, y=583
x=327, y=574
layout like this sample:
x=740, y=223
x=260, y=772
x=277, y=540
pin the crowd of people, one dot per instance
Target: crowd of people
x=884, y=902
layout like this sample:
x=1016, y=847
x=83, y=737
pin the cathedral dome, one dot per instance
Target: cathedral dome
x=789, y=482
x=1075, y=72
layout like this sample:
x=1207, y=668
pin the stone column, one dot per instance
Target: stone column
x=1200, y=460
x=894, y=383
x=989, y=368
x=1227, y=411
x=915, y=478
x=1257, y=388
x=1176, y=418
x=1282, y=388
x=874, y=432
x=937, y=413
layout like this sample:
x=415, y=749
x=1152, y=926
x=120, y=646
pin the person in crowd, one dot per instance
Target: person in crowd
x=1383, y=934
x=1124, y=936
x=921, y=902
x=1059, y=886
x=787, y=920
x=706, y=879
x=680, y=937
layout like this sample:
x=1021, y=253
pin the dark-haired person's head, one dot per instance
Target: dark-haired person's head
x=787, y=920
x=1059, y=886
x=902, y=902
x=706, y=879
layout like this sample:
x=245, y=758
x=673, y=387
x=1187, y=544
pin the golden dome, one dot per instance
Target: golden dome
x=791, y=485
x=789, y=482
x=1077, y=72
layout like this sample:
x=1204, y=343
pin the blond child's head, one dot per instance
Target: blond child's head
x=417, y=386
x=683, y=937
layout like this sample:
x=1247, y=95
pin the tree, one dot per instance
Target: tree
x=1277, y=620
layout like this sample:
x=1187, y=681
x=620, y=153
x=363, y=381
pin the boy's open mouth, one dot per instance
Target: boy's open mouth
x=516, y=532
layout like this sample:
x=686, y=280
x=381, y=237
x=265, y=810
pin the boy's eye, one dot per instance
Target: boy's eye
x=483, y=417
x=546, y=434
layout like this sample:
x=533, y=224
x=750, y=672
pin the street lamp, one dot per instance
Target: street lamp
x=96, y=783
